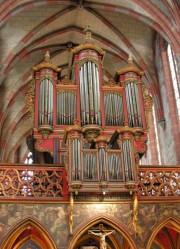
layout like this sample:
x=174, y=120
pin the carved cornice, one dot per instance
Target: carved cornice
x=130, y=68
x=46, y=64
x=85, y=46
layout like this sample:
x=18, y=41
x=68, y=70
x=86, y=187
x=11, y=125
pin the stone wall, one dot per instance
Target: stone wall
x=167, y=145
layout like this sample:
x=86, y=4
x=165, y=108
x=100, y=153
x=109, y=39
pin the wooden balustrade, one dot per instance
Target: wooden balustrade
x=48, y=182
x=157, y=182
x=33, y=182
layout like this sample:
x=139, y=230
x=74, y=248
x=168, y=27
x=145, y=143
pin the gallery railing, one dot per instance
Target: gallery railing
x=33, y=182
x=49, y=182
x=157, y=182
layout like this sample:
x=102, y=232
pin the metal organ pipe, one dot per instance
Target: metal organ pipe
x=114, y=166
x=46, y=102
x=86, y=96
x=127, y=158
x=114, y=114
x=89, y=94
x=66, y=107
x=102, y=164
x=76, y=163
x=90, y=171
x=133, y=105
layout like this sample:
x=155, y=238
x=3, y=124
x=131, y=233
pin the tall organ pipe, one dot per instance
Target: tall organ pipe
x=89, y=94
x=76, y=164
x=46, y=102
x=127, y=158
x=133, y=105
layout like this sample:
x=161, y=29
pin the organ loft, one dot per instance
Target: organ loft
x=89, y=124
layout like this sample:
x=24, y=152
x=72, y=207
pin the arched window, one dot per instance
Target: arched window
x=174, y=75
x=29, y=159
x=156, y=136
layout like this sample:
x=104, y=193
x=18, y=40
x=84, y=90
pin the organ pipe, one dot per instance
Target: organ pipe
x=127, y=158
x=66, y=108
x=76, y=163
x=90, y=166
x=114, y=114
x=114, y=166
x=133, y=105
x=89, y=94
x=46, y=102
x=102, y=164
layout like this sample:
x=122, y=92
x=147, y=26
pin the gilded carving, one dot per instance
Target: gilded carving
x=116, y=92
x=148, y=103
x=63, y=90
x=88, y=46
x=130, y=68
x=71, y=214
x=135, y=212
x=66, y=81
x=84, y=60
x=46, y=64
x=29, y=100
x=130, y=80
x=111, y=83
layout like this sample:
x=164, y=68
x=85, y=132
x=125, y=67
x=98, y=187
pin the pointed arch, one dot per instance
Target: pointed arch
x=170, y=222
x=82, y=228
x=28, y=229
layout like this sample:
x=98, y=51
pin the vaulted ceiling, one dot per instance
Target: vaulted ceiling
x=30, y=27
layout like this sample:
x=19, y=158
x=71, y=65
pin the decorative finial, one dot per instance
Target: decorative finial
x=47, y=56
x=88, y=32
x=130, y=59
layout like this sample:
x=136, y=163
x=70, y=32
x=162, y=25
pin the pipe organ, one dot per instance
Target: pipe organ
x=97, y=129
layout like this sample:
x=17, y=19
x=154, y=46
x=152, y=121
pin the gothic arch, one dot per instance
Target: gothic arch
x=169, y=222
x=82, y=228
x=28, y=229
